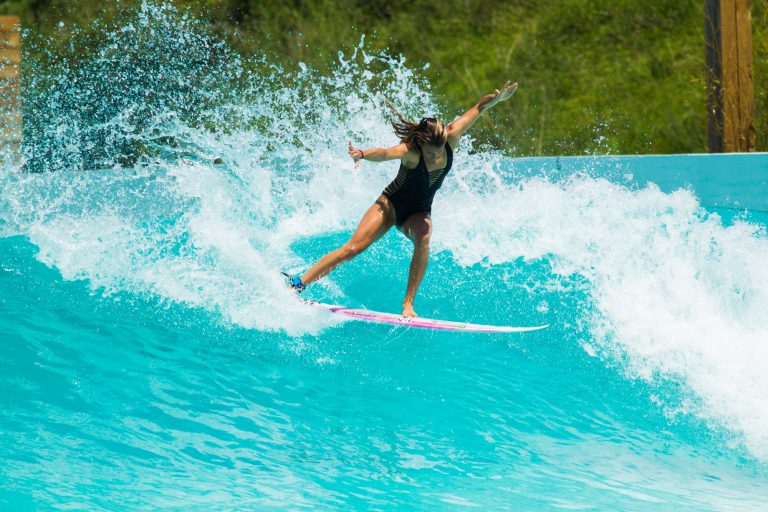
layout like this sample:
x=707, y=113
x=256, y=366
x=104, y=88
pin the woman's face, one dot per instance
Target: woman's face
x=432, y=153
x=436, y=130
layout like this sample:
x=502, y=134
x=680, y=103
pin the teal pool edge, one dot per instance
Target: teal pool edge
x=723, y=180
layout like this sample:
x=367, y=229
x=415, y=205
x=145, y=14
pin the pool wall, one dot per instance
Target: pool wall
x=723, y=180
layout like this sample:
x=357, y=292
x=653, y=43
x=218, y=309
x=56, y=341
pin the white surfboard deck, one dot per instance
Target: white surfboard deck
x=422, y=323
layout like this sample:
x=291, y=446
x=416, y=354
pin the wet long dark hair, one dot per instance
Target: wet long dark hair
x=427, y=131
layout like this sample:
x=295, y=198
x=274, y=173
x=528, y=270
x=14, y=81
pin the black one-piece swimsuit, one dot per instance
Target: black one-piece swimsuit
x=413, y=190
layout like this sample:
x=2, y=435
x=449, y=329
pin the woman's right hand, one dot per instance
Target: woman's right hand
x=356, y=154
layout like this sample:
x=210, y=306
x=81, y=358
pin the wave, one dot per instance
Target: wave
x=196, y=178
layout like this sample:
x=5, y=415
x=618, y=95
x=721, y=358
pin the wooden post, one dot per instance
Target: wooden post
x=730, y=90
x=10, y=90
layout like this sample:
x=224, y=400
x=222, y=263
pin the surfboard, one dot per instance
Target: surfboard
x=419, y=322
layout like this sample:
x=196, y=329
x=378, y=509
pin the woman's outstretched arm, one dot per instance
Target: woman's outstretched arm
x=457, y=128
x=378, y=154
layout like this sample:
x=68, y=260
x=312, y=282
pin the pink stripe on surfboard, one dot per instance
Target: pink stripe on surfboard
x=423, y=323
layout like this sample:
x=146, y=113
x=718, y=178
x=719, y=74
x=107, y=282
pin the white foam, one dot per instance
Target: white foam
x=677, y=292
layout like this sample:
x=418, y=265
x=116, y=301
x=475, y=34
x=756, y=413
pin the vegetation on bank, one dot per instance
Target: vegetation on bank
x=596, y=76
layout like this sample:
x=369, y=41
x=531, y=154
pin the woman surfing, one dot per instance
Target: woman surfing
x=426, y=156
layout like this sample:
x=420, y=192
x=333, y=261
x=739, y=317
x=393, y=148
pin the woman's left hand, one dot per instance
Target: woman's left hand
x=502, y=94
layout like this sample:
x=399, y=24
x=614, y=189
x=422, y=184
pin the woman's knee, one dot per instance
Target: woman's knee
x=420, y=232
x=422, y=238
x=352, y=248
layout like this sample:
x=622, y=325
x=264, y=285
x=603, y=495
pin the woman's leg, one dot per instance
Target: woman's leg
x=376, y=221
x=418, y=227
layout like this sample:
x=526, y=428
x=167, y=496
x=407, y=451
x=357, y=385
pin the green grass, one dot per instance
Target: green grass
x=596, y=76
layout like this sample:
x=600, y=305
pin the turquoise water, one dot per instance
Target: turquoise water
x=152, y=358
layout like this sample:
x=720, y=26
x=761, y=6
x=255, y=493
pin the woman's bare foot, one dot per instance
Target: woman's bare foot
x=408, y=311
